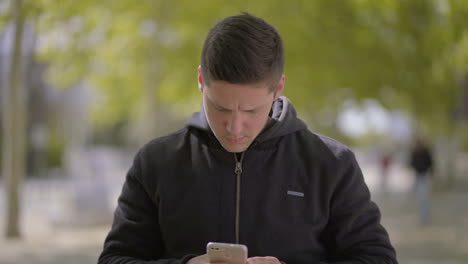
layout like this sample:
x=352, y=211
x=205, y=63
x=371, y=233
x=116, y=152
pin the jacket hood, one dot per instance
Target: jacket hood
x=283, y=121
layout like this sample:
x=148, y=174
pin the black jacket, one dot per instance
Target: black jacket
x=302, y=199
x=421, y=160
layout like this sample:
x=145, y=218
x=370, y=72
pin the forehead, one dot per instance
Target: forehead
x=244, y=95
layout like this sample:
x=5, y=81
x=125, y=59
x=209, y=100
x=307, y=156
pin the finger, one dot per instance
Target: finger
x=263, y=260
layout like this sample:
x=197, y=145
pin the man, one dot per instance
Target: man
x=245, y=170
x=421, y=163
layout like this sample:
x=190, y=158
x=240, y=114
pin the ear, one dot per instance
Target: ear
x=280, y=88
x=200, y=79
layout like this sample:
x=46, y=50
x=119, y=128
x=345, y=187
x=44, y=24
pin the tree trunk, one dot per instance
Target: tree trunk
x=14, y=134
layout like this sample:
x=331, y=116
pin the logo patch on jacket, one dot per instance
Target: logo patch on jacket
x=293, y=193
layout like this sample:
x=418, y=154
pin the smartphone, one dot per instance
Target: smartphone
x=225, y=252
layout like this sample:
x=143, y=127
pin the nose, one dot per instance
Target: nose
x=234, y=124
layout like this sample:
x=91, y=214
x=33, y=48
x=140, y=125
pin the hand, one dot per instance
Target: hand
x=263, y=260
x=202, y=259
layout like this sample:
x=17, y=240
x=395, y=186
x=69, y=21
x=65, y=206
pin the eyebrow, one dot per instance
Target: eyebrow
x=226, y=109
x=219, y=106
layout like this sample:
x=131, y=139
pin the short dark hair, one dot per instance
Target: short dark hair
x=243, y=49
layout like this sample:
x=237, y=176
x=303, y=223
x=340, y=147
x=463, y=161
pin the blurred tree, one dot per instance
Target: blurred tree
x=425, y=43
x=14, y=126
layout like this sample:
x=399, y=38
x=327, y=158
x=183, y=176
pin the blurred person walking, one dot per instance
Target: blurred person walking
x=385, y=163
x=421, y=163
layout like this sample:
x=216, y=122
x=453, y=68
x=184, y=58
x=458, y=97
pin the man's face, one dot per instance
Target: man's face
x=237, y=113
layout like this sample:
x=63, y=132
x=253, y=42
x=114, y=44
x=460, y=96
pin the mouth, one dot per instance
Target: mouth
x=235, y=140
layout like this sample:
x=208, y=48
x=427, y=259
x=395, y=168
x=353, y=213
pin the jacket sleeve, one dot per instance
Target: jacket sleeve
x=354, y=233
x=135, y=236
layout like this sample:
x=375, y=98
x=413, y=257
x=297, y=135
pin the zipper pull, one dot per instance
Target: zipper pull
x=238, y=169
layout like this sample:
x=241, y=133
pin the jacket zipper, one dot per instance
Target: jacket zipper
x=238, y=172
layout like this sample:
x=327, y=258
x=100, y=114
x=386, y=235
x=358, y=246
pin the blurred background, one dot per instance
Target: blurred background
x=85, y=83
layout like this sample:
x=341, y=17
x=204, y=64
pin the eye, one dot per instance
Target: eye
x=221, y=109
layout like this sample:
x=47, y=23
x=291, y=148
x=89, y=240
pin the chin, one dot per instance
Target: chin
x=234, y=149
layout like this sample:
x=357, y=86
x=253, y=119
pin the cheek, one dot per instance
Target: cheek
x=257, y=122
x=216, y=119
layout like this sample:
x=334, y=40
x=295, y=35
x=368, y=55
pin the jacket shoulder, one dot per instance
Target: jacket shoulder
x=164, y=141
x=158, y=155
x=326, y=147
